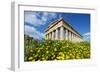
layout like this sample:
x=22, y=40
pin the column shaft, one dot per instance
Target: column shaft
x=72, y=36
x=69, y=35
x=49, y=35
x=61, y=33
x=66, y=34
x=56, y=34
x=52, y=35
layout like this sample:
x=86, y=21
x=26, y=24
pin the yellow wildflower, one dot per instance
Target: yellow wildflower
x=30, y=58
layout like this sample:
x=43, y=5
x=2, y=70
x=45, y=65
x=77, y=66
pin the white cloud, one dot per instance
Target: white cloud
x=32, y=32
x=86, y=36
x=38, y=18
x=32, y=19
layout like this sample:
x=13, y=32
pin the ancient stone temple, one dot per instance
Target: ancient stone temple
x=61, y=30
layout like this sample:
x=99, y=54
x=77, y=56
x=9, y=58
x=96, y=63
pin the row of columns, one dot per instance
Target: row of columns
x=62, y=33
x=56, y=34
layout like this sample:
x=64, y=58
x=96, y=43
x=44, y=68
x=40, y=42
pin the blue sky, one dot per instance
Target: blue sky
x=36, y=22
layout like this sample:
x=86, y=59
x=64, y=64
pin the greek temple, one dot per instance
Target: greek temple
x=61, y=30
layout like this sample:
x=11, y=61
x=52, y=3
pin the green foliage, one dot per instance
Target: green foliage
x=36, y=50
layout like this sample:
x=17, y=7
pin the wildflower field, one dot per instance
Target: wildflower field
x=44, y=50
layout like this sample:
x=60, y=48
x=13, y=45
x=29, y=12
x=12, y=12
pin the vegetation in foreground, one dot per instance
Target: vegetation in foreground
x=36, y=50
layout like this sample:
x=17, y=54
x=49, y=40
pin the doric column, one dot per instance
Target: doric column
x=66, y=34
x=69, y=35
x=49, y=35
x=72, y=36
x=61, y=33
x=56, y=34
x=52, y=35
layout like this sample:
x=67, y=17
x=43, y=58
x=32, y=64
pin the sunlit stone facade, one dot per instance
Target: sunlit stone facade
x=61, y=30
